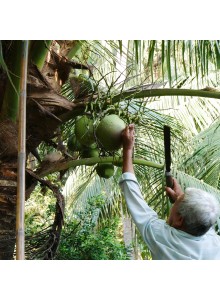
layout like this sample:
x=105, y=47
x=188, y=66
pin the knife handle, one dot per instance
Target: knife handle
x=169, y=179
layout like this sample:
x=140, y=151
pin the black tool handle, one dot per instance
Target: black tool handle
x=169, y=179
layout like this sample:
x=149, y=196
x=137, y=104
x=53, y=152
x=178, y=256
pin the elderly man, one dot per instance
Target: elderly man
x=188, y=232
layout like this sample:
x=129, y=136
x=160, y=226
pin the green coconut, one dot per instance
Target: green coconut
x=73, y=144
x=108, y=132
x=93, y=146
x=84, y=131
x=105, y=170
x=89, y=152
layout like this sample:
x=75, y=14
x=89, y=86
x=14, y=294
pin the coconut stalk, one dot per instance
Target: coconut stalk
x=21, y=155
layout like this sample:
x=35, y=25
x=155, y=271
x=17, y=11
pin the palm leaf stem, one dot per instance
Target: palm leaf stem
x=59, y=166
x=136, y=93
x=127, y=95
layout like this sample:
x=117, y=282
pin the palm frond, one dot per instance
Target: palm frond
x=90, y=185
x=187, y=180
x=204, y=159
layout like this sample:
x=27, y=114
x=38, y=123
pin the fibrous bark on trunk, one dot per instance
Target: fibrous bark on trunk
x=8, y=190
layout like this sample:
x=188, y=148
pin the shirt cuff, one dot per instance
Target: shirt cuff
x=127, y=176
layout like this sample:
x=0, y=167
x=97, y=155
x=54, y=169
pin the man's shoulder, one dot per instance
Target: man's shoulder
x=159, y=225
x=212, y=234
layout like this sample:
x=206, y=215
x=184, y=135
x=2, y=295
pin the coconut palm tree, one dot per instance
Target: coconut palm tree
x=145, y=82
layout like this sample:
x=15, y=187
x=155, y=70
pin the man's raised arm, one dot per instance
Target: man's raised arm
x=128, y=146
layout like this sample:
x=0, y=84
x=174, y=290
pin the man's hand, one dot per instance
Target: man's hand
x=128, y=137
x=175, y=192
x=128, y=145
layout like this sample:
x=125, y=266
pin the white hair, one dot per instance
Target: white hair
x=200, y=210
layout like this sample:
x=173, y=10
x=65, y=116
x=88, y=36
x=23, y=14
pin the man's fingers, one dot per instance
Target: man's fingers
x=170, y=193
x=131, y=129
x=169, y=190
x=128, y=129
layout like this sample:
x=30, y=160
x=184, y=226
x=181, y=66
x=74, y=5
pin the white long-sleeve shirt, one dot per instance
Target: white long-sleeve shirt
x=166, y=242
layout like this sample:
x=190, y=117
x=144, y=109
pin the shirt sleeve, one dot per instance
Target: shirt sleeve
x=144, y=217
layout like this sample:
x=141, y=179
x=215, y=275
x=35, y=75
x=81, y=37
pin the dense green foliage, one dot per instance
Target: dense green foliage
x=39, y=210
x=82, y=240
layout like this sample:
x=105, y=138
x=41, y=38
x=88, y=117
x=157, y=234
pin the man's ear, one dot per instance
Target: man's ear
x=179, y=221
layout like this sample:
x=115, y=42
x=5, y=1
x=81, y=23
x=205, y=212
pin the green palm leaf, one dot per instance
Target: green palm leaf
x=204, y=159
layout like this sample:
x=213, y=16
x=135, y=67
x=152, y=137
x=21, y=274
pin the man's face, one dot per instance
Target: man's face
x=175, y=219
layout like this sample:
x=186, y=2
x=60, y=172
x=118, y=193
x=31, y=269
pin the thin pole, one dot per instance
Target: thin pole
x=21, y=156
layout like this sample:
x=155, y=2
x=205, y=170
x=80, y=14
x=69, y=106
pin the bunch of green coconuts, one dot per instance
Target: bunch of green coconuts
x=89, y=140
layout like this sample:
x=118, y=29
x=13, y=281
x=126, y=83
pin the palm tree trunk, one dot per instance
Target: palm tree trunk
x=128, y=236
x=127, y=232
x=41, y=125
x=8, y=191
